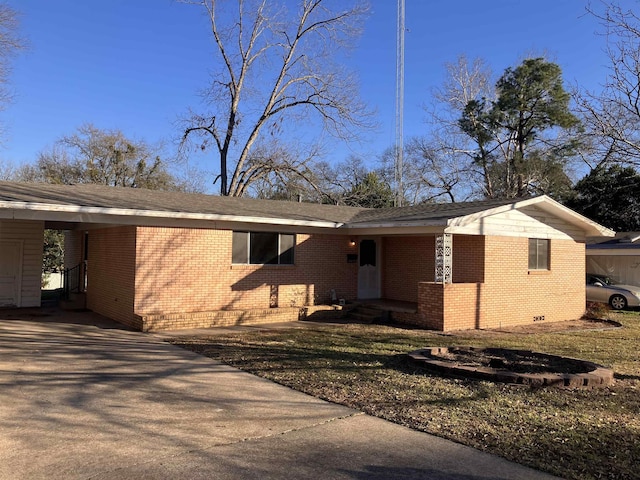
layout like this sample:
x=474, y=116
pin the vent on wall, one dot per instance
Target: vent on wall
x=539, y=318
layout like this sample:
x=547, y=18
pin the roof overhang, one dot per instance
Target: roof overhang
x=120, y=216
x=544, y=203
x=84, y=216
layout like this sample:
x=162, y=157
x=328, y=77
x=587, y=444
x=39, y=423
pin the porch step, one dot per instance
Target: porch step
x=368, y=314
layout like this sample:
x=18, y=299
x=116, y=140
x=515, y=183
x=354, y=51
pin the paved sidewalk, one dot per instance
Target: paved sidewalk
x=81, y=398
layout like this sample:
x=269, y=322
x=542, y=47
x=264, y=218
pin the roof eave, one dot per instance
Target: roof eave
x=396, y=224
x=547, y=204
x=76, y=213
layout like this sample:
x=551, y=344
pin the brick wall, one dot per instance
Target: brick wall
x=221, y=318
x=179, y=270
x=511, y=294
x=407, y=261
x=411, y=260
x=431, y=306
x=111, y=273
x=468, y=258
x=189, y=270
x=514, y=295
x=452, y=306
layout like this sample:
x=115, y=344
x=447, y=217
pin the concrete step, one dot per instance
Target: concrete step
x=367, y=310
x=363, y=317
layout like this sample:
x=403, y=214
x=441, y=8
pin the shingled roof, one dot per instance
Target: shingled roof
x=78, y=202
x=104, y=197
x=623, y=241
x=143, y=200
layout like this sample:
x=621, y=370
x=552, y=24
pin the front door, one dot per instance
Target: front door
x=10, y=272
x=369, y=269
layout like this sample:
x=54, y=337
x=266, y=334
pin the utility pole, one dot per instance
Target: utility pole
x=399, y=146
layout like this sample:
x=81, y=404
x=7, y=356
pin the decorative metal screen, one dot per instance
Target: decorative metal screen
x=444, y=257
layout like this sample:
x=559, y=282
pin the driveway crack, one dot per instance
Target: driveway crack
x=225, y=444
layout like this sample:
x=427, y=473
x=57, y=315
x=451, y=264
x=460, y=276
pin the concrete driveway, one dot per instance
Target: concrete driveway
x=81, y=398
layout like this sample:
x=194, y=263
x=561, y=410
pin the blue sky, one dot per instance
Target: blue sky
x=137, y=65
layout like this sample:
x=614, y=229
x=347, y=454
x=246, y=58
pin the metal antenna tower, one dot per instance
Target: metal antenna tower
x=399, y=146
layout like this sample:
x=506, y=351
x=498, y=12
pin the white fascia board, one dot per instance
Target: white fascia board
x=590, y=227
x=392, y=224
x=545, y=203
x=76, y=213
x=393, y=230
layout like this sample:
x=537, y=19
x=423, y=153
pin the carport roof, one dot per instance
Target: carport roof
x=91, y=203
x=622, y=241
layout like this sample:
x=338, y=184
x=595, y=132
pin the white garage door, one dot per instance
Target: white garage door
x=10, y=272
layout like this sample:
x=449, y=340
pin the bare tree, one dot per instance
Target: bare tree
x=10, y=44
x=7, y=171
x=441, y=164
x=106, y=157
x=283, y=171
x=340, y=179
x=465, y=80
x=612, y=116
x=278, y=72
x=434, y=171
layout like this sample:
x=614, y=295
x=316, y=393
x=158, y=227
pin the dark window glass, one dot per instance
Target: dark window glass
x=240, y=247
x=368, y=253
x=264, y=248
x=287, y=244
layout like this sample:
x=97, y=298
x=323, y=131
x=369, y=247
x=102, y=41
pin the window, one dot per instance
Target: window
x=263, y=248
x=538, y=254
x=368, y=253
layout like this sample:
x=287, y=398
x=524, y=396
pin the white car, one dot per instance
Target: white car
x=602, y=289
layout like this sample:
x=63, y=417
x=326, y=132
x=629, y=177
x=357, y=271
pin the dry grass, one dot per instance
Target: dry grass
x=576, y=434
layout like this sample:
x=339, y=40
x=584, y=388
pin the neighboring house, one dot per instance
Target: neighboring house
x=618, y=258
x=173, y=260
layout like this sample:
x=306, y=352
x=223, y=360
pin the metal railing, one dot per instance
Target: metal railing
x=72, y=280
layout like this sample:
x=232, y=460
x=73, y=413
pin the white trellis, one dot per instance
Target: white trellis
x=444, y=258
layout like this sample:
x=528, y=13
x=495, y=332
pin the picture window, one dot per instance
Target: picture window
x=263, y=248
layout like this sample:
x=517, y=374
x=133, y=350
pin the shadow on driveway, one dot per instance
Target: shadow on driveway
x=83, y=397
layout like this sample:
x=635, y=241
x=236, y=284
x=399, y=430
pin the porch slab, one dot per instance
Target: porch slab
x=390, y=305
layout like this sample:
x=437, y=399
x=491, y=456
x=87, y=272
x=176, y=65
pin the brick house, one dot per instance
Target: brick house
x=161, y=260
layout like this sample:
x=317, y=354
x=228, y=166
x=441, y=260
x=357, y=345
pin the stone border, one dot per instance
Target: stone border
x=596, y=377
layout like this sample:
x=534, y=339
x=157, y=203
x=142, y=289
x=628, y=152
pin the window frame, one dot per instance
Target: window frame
x=542, y=255
x=254, y=248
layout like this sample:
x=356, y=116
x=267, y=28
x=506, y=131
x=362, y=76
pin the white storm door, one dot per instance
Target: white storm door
x=369, y=268
x=10, y=272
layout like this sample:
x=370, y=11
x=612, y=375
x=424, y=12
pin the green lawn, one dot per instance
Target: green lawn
x=575, y=434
